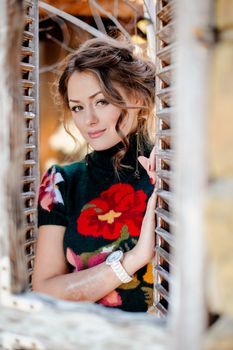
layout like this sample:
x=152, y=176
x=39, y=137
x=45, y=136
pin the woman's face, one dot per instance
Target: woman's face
x=93, y=115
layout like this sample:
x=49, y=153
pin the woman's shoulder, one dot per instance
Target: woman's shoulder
x=68, y=171
x=73, y=167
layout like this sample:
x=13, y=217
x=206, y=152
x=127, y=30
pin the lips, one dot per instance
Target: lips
x=96, y=134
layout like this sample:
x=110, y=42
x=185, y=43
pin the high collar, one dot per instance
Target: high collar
x=100, y=163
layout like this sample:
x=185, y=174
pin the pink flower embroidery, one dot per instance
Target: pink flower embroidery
x=96, y=259
x=49, y=192
x=113, y=298
x=85, y=260
x=74, y=259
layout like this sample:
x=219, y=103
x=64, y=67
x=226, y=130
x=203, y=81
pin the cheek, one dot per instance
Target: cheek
x=112, y=115
x=129, y=122
x=77, y=122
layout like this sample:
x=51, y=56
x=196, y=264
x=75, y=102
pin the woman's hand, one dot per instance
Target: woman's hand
x=144, y=249
x=149, y=165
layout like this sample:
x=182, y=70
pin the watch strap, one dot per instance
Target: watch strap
x=121, y=273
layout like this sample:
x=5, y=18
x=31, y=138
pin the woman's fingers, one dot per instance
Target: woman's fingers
x=151, y=204
x=144, y=162
x=146, y=242
x=149, y=165
x=152, y=160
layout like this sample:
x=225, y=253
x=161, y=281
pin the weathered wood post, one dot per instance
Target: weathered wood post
x=11, y=141
x=192, y=62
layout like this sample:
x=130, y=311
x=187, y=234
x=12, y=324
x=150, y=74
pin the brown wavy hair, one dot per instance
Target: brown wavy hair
x=115, y=61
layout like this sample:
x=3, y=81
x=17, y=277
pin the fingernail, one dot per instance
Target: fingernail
x=152, y=181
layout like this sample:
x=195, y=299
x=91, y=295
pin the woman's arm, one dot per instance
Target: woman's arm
x=51, y=275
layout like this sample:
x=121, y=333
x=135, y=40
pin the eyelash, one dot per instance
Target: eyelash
x=73, y=109
x=103, y=101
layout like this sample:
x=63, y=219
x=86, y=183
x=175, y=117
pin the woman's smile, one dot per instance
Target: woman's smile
x=96, y=134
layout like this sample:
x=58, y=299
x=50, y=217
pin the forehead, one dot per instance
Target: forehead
x=82, y=83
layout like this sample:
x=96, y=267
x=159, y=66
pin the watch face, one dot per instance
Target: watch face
x=114, y=257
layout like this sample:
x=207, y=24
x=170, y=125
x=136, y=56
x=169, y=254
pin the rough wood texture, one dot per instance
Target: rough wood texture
x=220, y=335
x=219, y=218
x=72, y=326
x=220, y=123
x=30, y=321
x=220, y=245
x=188, y=308
x=12, y=139
x=124, y=9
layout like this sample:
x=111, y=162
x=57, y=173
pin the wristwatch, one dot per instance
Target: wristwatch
x=114, y=260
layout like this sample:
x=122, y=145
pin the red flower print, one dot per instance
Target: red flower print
x=117, y=208
x=49, y=192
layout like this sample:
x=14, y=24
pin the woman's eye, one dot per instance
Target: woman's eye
x=102, y=102
x=76, y=108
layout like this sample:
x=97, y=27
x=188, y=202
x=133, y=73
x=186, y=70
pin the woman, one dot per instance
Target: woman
x=93, y=243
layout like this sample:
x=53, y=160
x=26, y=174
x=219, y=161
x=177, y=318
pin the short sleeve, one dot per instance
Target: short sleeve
x=52, y=198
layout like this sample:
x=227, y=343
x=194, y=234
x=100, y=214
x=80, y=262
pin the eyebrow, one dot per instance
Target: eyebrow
x=92, y=96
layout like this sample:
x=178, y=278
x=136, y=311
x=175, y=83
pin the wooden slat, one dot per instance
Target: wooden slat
x=166, y=13
x=28, y=179
x=162, y=291
x=29, y=20
x=29, y=147
x=167, y=236
x=162, y=310
x=28, y=195
x=29, y=115
x=165, y=114
x=28, y=99
x=162, y=272
x=164, y=174
x=27, y=51
x=28, y=3
x=165, y=53
x=166, y=196
x=165, y=215
x=162, y=253
x=165, y=74
x=165, y=95
x=28, y=83
x=29, y=163
x=29, y=226
x=29, y=242
x=29, y=257
x=29, y=211
x=27, y=35
x=165, y=135
x=30, y=131
x=27, y=67
x=167, y=154
x=166, y=34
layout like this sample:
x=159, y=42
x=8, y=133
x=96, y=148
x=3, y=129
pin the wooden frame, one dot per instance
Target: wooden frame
x=34, y=321
x=26, y=317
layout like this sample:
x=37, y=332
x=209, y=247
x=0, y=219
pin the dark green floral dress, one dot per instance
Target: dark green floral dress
x=102, y=212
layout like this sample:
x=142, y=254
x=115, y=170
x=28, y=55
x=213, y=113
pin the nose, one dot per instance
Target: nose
x=92, y=117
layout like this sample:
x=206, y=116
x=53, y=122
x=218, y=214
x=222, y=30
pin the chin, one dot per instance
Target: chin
x=103, y=146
